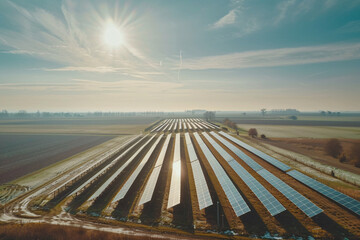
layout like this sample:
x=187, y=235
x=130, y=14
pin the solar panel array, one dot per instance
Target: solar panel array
x=175, y=184
x=265, y=197
x=248, y=160
x=299, y=200
x=158, y=127
x=236, y=200
x=105, y=184
x=193, y=125
x=264, y=156
x=104, y=169
x=125, y=188
x=87, y=167
x=189, y=125
x=151, y=183
x=342, y=199
x=171, y=125
x=208, y=125
x=183, y=124
x=202, y=190
x=305, y=205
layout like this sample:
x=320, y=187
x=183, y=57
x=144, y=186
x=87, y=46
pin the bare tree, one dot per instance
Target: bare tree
x=355, y=154
x=263, y=111
x=209, y=115
x=333, y=147
x=252, y=132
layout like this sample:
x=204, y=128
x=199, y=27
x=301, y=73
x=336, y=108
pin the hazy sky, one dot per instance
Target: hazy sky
x=176, y=55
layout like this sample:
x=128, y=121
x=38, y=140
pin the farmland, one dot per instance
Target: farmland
x=189, y=170
x=23, y=154
x=286, y=131
x=89, y=126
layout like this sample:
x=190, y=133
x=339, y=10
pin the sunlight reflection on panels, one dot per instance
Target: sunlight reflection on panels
x=175, y=183
x=151, y=183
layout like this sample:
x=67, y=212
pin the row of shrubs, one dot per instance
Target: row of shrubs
x=334, y=148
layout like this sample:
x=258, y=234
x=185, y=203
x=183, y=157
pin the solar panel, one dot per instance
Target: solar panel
x=189, y=125
x=180, y=125
x=104, y=169
x=236, y=200
x=163, y=128
x=164, y=125
x=211, y=124
x=198, y=125
x=150, y=186
x=175, y=124
x=190, y=148
x=185, y=127
x=175, y=183
x=264, y=156
x=342, y=199
x=158, y=126
x=105, y=184
x=193, y=125
x=161, y=157
x=171, y=125
x=86, y=167
x=248, y=160
x=151, y=183
x=265, y=197
x=125, y=188
x=202, y=190
x=207, y=125
x=305, y=205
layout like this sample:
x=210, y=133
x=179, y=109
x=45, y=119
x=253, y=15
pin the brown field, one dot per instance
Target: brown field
x=315, y=149
x=92, y=126
x=285, y=131
x=23, y=154
x=40, y=231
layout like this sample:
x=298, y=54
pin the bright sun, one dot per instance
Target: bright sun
x=113, y=36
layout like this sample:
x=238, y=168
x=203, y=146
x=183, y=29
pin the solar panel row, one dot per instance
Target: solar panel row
x=125, y=188
x=267, y=158
x=305, y=205
x=236, y=200
x=104, y=169
x=202, y=190
x=85, y=168
x=342, y=199
x=299, y=200
x=175, y=183
x=249, y=161
x=112, y=177
x=151, y=183
x=265, y=197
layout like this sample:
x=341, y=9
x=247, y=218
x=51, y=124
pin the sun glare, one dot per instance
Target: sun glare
x=113, y=36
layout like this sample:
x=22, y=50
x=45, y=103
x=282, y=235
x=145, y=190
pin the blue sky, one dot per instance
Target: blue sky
x=177, y=55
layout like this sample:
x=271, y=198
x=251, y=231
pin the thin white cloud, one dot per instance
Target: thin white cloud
x=353, y=26
x=71, y=38
x=226, y=20
x=276, y=57
x=101, y=69
x=84, y=85
x=283, y=8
